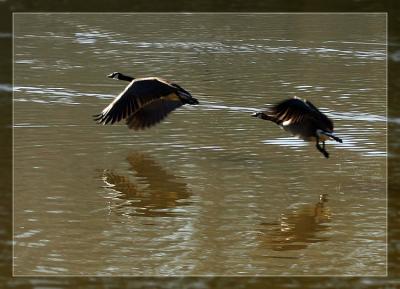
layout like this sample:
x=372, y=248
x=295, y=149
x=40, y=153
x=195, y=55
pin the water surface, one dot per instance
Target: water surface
x=211, y=190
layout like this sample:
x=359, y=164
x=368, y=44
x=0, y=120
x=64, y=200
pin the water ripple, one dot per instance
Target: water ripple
x=54, y=95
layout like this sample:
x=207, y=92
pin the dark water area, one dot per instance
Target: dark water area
x=124, y=186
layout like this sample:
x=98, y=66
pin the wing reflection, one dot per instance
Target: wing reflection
x=151, y=191
x=299, y=227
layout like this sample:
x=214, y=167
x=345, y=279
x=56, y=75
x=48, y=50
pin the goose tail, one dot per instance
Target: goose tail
x=332, y=136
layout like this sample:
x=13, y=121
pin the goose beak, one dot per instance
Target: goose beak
x=113, y=75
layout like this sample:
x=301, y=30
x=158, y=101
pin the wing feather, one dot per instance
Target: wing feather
x=135, y=96
x=152, y=113
x=296, y=111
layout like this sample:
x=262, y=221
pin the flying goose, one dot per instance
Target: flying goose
x=144, y=102
x=302, y=119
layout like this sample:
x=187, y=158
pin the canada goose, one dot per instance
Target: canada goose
x=302, y=119
x=144, y=102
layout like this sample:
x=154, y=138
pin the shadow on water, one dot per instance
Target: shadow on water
x=299, y=227
x=149, y=191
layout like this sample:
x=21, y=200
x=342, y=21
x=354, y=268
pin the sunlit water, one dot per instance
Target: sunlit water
x=211, y=190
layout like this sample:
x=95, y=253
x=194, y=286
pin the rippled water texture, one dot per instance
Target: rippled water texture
x=211, y=190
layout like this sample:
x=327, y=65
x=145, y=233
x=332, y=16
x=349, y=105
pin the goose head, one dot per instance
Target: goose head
x=120, y=76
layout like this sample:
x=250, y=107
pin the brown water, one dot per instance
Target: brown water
x=210, y=191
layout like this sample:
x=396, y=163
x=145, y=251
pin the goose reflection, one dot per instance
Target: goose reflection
x=298, y=228
x=151, y=191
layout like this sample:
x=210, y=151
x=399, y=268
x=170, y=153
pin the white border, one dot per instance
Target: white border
x=210, y=275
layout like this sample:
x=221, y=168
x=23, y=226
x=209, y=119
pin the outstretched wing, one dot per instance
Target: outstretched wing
x=152, y=113
x=136, y=95
x=296, y=111
x=290, y=110
x=325, y=122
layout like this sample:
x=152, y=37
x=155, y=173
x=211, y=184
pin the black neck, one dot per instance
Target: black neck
x=271, y=118
x=125, y=77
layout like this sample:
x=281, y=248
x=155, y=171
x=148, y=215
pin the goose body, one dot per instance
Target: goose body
x=302, y=119
x=144, y=102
